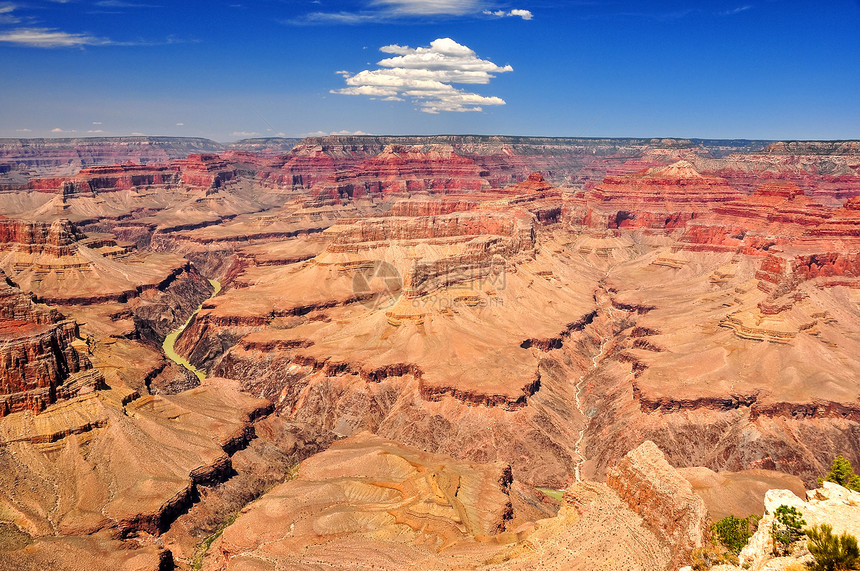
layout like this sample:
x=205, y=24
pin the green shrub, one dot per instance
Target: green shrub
x=843, y=474
x=787, y=527
x=832, y=552
x=733, y=532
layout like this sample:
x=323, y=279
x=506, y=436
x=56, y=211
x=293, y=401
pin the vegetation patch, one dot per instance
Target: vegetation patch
x=787, y=528
x=554, y=494
x=733, y=533
x=842, y=473
x=832, y=552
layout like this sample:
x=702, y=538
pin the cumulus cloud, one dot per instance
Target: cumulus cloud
x=245, y=134
x=524, y=14
x=425, y=75
x=49, y=38
x=23, y=130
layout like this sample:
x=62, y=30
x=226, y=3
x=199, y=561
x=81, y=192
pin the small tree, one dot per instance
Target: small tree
x=832, y=552
x=843, y=474
x=733, y=532
x=787, y=527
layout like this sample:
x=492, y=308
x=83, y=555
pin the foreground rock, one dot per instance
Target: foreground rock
x=830, y=504
x=664, y=499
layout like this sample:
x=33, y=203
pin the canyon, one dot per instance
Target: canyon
x=442, y=351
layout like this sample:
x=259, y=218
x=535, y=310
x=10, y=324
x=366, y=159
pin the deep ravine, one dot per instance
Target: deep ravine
x=170, y=340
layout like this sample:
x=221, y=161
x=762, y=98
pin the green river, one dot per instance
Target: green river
x=170, y=340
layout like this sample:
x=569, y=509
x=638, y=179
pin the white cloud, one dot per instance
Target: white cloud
x=122, y=4
x=425, y=75
x=328, y=133
x=180, y=124
x=378, y=11
x=737, y=10
x=95, y=131
x=7, y=13
x=429, y=7
x=136, y=134
x=97, y=122
x=49, y=38
x=245, y=134
x=23, y=130
x=524, y=14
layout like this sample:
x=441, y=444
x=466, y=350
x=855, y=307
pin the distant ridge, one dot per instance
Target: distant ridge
x=24, y=158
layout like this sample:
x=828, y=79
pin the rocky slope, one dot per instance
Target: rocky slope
x=360, y=503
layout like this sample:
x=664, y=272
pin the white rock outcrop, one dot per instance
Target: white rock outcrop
x=831, y=504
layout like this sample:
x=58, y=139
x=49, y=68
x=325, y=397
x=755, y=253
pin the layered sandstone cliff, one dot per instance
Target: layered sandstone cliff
x=42, y=359
x=661, y=197
x=664, y=499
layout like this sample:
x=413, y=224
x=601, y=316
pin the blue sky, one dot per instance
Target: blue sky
x=231, y=69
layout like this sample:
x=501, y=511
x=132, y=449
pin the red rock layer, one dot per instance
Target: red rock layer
x=109, y=179
x=304, y=167
x=502, y=161
x=800, y=239
x=36, y=354
x=407, y=169
x=778, y=213
x=661, y=197
x=205, y=171
x=431, y=207
x=435, y=227
x=828, y=172
x=198, y=171
x=534, y=183
x=55, y=238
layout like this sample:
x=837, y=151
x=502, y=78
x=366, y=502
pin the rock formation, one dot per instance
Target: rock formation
x=42, y=359
x=664, y=499
x=830, y=504
x=660, y=197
